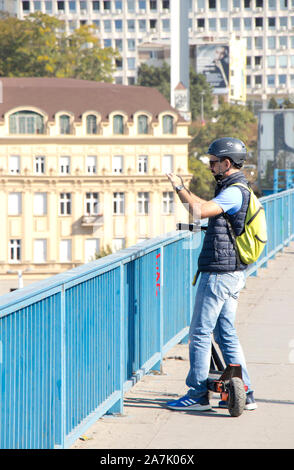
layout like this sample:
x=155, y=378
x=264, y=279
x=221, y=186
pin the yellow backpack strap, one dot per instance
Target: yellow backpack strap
x=195, y=278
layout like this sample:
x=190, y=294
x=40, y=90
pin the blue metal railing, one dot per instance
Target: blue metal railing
x=70, y=346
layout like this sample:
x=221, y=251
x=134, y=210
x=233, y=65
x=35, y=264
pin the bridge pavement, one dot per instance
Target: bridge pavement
x=265, y=325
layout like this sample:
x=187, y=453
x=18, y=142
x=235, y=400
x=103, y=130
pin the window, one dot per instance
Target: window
x=48, y=7
x=271, y=42
x=142, y=4
x=283, y=4
x=272, y=4
x=26, y=122
x=283, y=61
x=247, y=23
x=26, y=6
x=167, y=164
x=91, y=249
x=142, y=164
x=236, y=24
x=60, y=6
x=107, y=43
x=65, y=251
x=291, y=81
x=118, y=124
x=118, y=25
x=224, y=5
x=131, y=26
x=200, y=23
x=118, y=5
x=258, y=79
x=83, y=5
x=168, y=202
x=212, y=24
x=236, y=3
x=223, y=24
x=39, y=165
x=283, y=41
x=119, y=45
x=270, y=80
x=152, y=24
x=283, y=21
x=142, y=124
x=248, y=61
x=131, y=44
x=142, y=25
x=91, y=164
x=271, y=61
x=271, y=23
x=107, y=26
x=14, y=164
x=258, y=60
x=165, y=4
x=247, y=4
x=131, y=6
x=64, y=165
x=118, y=244
x=212, y=4
x=96, y=5
x=131, y=63
x=117, y=163
x=65, y=204
x=259, y=22
x=40, y=251
x=165, y=25
x=200, y=4
x=118, y=203
x=14, y=203
x=143, y=203
x=64, y=124
x=258, y=42
x=14, y=249
x=72, y=6
x=282, y=79
x=153, y=4
x=106, y=5
x=40, y=203
x=92, y=204
x=91, y=124
x=168, y=124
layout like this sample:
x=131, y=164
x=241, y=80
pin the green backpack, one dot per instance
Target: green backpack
x=250, y=244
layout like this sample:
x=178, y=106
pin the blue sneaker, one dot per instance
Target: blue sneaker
x=189, y=403
x=249, y=405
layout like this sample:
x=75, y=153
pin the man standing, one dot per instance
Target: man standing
x=222, y=273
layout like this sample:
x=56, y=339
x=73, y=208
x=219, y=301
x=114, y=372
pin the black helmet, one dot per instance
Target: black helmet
x=228, y=147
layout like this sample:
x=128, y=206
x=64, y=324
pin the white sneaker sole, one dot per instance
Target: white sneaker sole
x=250, y=407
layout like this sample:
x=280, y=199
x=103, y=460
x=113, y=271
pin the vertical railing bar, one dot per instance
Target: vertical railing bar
x=62, y=417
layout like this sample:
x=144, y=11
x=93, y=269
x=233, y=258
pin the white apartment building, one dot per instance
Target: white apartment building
x=267, y=26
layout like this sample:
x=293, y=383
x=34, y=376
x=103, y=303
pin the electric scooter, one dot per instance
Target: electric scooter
x=225, y=380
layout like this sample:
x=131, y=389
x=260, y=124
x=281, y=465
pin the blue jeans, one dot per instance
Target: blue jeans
x=214, y=312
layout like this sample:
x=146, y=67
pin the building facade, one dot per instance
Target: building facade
x=83, y=167
x=266, y=25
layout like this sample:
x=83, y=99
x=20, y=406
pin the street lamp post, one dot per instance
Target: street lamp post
x=202, y=93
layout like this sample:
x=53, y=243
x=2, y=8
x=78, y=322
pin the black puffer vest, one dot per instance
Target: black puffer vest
x=218, y=253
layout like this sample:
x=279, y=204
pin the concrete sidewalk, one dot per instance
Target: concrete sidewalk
x=265, y=324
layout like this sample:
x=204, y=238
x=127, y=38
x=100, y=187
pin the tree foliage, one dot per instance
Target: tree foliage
x=229, y=120
x=159, y=77
x=38, y=47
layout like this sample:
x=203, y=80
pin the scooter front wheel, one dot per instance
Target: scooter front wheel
x=237, y=397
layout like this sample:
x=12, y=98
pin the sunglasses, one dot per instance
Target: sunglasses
x=213, y=162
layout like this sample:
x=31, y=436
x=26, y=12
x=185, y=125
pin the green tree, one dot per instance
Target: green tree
x=273, y=103
x=38, y=47
x=155, y=77
x=159, y=77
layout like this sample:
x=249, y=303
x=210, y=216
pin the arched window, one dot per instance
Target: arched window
x=64, y=124
x=142, y=124
x=118, y=124
x=92, y=124
x=26, y=122
x=168, y=124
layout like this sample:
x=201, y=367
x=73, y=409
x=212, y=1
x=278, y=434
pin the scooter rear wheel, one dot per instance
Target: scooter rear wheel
x=237, y=397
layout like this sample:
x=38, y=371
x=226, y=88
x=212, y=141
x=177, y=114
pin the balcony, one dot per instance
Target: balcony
x=92, y=220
